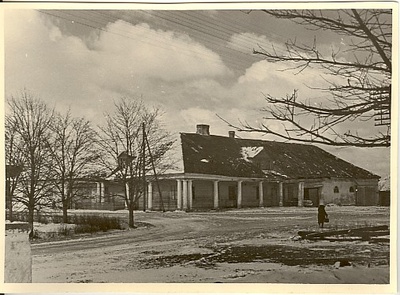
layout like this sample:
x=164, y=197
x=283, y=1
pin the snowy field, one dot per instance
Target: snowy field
x=248, y=245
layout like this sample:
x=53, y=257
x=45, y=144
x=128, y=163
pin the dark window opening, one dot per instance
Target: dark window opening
x=232, y=192
x=172, y=192
x=336, y=190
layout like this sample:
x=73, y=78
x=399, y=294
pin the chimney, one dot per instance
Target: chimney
x=203, y=129
x=231, y=134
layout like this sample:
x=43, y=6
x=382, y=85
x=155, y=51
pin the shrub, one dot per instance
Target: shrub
x=42, y=218
x=64, y=230
x=84, y=223
x=93, y=223
x=57, y=218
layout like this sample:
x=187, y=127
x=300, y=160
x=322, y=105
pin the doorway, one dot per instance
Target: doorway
x=312, y=194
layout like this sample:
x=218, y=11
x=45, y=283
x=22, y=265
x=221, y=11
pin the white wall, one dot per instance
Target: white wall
x=18, y=260
x=345, y=197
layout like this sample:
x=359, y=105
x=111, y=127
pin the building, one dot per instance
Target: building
x=98, y=194
x=384, y=191
x=220, y=172
x=227, y=172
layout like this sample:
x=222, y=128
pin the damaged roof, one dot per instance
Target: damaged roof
x=219, y=155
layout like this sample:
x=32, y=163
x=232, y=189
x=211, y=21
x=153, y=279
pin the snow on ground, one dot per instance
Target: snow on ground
x=52, y=227
x=248, y=245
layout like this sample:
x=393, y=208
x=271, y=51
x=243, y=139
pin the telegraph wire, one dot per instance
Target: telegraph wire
x=228, y=53
x=220, y=26
x=183, y=51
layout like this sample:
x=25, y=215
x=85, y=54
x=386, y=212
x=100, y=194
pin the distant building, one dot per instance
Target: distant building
x=98, y=194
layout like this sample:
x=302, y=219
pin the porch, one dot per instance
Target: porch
x=218, y=192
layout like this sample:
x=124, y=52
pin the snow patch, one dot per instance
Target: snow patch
x=249, y=152
x=194, y=149
x=384, y=184
x=52, y=227
x=204, y=160
x=274, y=173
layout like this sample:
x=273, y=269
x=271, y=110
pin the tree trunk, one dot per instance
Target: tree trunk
x=66, y=199
x=65, y=210
x=10, y=209
x=131, y=219
x=9, y=200
x=31, y=212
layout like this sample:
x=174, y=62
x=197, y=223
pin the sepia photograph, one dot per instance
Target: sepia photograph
x=200, y=143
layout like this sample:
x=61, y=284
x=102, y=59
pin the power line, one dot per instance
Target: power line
x=239, y=64
x=229, y=53
x=183, y=50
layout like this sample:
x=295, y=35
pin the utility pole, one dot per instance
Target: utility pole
x=155, y=174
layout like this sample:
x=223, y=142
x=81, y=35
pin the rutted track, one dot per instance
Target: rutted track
x=207, y=238
x=162, y=231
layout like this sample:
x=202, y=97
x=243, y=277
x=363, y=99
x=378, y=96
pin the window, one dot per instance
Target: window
x=172, y=192
x=336, y=190
x=351, y=189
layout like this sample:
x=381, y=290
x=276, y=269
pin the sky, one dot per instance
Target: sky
x=194, y=65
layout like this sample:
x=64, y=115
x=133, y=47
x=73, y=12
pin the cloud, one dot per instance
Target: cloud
x=141, y=51
x=127, y=60
x=197, y=115
x=187, y=79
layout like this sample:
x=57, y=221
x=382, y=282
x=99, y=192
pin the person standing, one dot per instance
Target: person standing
x=322, y=215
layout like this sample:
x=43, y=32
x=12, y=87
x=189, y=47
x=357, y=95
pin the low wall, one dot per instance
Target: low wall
x=18, y=259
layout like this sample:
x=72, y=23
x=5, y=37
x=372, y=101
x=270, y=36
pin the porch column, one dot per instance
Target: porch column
x=190, y=193
x=185, y=194
x=102, y=185
x=280, y=194
x=261, y=193
x=239, y=195
x=150, y=195
x=98, y=193
x=300, y=194
x=216, y=196
x=179, y=194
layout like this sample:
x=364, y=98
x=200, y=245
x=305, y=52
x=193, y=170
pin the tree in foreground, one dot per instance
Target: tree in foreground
x=358, y=77
x=14, y=163
x=73, y=153
x=29, y=120
x=121, y=140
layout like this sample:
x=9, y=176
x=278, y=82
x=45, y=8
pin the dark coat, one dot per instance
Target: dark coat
x=321, y=214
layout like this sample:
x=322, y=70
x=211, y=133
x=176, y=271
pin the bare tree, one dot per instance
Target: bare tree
x=14, y=163
x=74, y=155
x=29, y=119
x=122, y=141
x=359, y=80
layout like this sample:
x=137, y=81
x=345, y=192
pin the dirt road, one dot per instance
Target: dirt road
x=254, y=245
